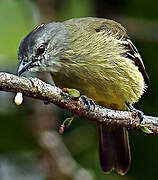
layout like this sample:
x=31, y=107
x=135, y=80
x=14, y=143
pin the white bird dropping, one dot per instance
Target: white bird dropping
x=18, y=99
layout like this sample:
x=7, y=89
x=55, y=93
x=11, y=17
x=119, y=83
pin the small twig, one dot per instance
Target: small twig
x=35, y=88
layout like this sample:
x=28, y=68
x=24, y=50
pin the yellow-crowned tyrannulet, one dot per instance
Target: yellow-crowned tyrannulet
x=96, y=57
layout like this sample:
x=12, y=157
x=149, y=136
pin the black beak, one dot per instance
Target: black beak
x=24, y=67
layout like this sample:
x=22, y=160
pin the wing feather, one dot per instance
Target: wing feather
x=133, y=54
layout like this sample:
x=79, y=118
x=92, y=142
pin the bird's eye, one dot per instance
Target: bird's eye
x=41, y=49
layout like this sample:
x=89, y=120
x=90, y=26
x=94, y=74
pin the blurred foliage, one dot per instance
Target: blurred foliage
x=141, y=9
x=71, y=9
x=17, y=18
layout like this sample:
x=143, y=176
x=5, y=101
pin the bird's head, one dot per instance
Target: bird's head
x=41, y=49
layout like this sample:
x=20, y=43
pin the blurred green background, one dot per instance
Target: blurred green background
x=22, y=156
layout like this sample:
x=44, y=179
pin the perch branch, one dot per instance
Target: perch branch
x=35, y=88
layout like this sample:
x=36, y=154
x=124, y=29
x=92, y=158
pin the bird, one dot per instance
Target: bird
x=97, y=57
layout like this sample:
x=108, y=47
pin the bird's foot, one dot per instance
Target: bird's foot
x=140, y=115
x=137, y=112
x=89, y=103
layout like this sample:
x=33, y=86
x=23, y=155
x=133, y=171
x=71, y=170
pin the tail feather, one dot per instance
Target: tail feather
x=114, y=149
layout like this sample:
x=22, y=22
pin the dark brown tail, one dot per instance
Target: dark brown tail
x=114, y=149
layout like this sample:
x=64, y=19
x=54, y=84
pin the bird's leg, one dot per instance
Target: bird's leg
x=138, y=113
x=75, y=94
x=89, y=103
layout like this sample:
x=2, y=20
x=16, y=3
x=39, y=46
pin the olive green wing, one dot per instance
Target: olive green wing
x=132, y=52
x=112, y=27
x=97, y=25
x=92, y=24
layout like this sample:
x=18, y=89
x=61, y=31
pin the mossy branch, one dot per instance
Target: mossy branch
x=35, y=88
